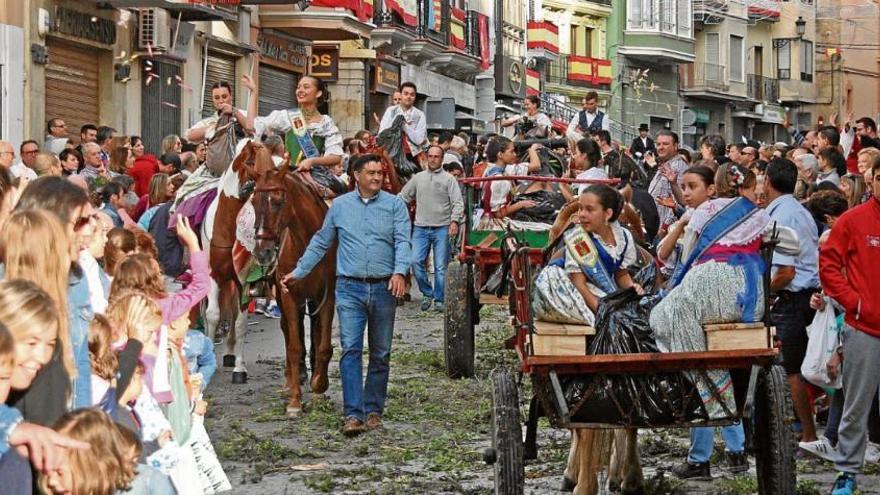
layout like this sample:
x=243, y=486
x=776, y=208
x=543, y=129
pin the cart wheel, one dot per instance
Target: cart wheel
x=458, y=324
x=774, y=437
x=507, y=441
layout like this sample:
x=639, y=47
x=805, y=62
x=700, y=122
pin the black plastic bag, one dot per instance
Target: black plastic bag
x=391, y=139
x=547, y=206
x=629, y=399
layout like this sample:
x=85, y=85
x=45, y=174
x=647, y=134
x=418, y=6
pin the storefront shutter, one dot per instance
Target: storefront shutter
x=72, y=85
x=219, y=68
x=160, y=105
x=277, y=89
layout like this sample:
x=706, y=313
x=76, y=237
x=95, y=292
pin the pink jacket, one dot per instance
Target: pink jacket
x=173, y=306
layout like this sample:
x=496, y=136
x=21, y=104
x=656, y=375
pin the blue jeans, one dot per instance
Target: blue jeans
x=702, y=441
x=436, y=238
x=363, y=305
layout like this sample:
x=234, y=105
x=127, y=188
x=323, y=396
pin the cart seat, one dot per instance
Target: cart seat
x=735, y=336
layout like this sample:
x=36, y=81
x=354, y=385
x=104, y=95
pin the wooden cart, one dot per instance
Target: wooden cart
x=763, y=402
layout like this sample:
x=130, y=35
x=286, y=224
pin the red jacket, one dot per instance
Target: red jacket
x=848, y=266
x=143, y=170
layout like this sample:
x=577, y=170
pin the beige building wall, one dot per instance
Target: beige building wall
x=794, y=89
x=848, y=82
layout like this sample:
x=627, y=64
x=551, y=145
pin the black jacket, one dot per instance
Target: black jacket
x=638, y=147
x=45, y=401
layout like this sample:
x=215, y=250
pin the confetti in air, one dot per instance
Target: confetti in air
x=169, y=104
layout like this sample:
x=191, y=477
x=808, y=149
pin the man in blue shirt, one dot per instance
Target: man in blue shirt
x=373, y=231
x=795, y=279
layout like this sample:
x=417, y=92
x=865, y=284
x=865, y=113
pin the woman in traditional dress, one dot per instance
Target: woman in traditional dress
x=312, y=139
x=718, y=278
x=593, y=263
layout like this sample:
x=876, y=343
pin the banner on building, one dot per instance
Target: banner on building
x=457, y=27
x=543, y=35
x=483, y=23
x=362, y=8
x=408, y=10
x=435, y=15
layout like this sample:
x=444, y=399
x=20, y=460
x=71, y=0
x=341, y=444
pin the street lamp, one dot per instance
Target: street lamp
x=800, y=26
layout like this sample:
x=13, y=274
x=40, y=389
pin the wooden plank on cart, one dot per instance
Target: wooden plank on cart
x=732, y=336
x=651, y=362
x=493, y=299
x=548, y=328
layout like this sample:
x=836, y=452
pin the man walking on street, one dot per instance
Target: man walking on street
x=850, y=277
x=373, y=256
x=795, y=279
x=668, y=181
x=439, y=212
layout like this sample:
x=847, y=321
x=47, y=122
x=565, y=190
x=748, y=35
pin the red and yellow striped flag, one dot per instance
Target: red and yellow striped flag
x=533, y=82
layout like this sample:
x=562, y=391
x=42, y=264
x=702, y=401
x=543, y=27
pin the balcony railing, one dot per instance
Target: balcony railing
x=703, y=76
x=762, y=88
x=763, y=10
x=574, y=70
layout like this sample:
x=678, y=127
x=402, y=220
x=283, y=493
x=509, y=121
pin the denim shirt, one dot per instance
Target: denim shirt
x=80, y=309
x=790, y=213
x=113, y=214
x=199, y=353
x=373, y=234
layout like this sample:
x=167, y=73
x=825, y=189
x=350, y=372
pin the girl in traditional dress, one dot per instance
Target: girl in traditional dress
x=594, y=262
x=318, y=148
x=718, y=279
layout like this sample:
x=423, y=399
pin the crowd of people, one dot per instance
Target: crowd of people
x=100, y=342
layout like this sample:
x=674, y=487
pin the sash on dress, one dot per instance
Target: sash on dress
x=727, y=219
x=299, y=141
x=592, y=258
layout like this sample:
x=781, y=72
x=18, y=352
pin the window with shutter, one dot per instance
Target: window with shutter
x=806, y=61
x=713, y=55
x=783, y=61
x=736, y=58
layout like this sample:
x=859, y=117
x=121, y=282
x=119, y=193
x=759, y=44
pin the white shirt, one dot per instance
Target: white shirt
x=279, y=122
x=415, y=126
x=20, y=169
x=574, y=133
x=595, y=173
x=93, y=276
x=501, y=188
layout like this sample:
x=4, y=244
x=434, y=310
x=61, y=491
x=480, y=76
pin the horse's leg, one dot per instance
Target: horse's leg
x=212, y=312
x=283, y=322
x=571, y=468
x=236, y=336
x=632, y=469
x=616, y=464
x=290, y=306
x=321, y=340
x=587, y=482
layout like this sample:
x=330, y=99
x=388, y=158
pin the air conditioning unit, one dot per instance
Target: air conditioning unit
x=154, y=29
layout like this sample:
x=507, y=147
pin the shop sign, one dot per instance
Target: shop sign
x=510, y=77
x=85, y=26
x=284, y=52
x=387, y=77
x=773, y=114
x=515, y=77
x=325, y=63
x=702, y=116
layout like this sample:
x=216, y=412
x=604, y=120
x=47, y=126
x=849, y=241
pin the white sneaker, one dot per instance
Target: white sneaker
x=872, y=453
x=820, y=448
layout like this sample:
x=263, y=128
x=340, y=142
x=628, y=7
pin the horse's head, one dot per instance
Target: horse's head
x=251, y=161
x=269, y=200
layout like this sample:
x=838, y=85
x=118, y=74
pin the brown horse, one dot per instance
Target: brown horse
x=219, y=233
x=288, y=211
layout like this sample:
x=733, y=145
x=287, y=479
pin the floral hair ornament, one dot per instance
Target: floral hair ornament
x=738, y=178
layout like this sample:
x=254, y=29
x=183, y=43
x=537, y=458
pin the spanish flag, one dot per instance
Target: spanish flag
x=580, y=68
x=533, y=82
x=457, y=28
x=408, y=10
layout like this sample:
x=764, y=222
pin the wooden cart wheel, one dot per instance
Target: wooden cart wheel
x=774, y=436
x=507, y=441
x=458, y=323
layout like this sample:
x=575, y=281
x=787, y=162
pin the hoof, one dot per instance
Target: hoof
x=319, y=384
x=613, y=486
x=239, y=377
x=228, y=360
x=294, y=412
x=567, y=484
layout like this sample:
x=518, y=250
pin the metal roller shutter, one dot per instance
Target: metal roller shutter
x=219, y=69
x=277, y=89
x=72, y=85
x=160, y=105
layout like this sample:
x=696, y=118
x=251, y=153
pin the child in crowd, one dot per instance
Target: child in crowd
x=105, y=364
x=99, y=284
x=200, y=359
x=120, y=243
x=15, y=471
x=105, y=468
